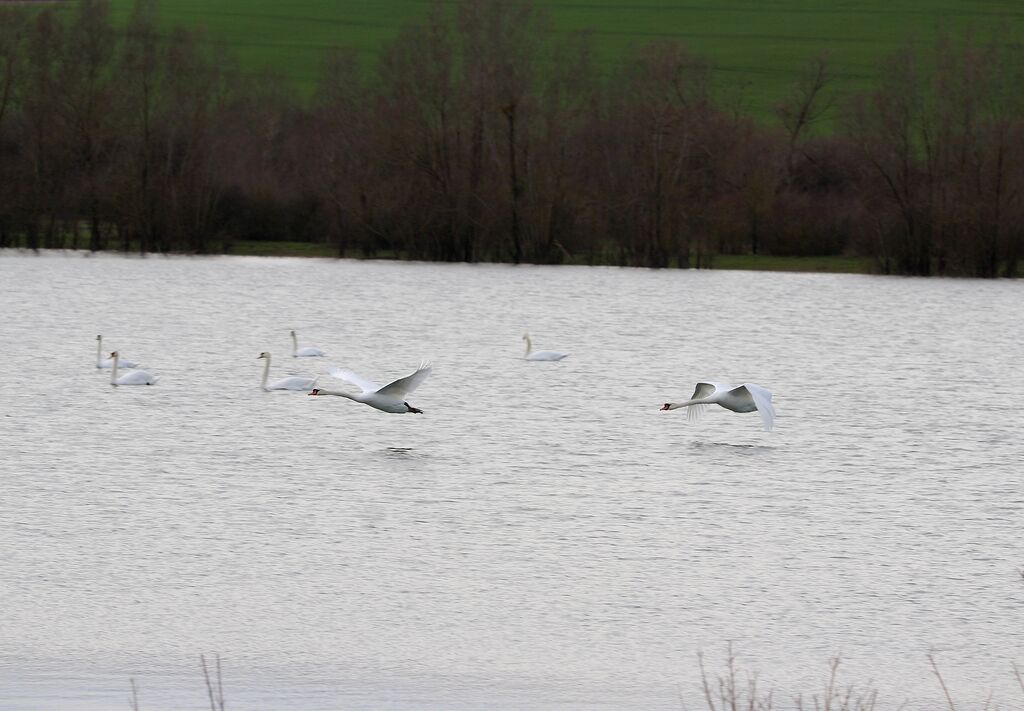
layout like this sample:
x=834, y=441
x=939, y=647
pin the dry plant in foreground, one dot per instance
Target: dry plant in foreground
x=732, y=690
x=214, y=686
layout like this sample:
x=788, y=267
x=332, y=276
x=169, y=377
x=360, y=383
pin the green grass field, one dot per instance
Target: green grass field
x=757, y=47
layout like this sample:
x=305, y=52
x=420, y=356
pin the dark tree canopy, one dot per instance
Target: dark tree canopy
x=481, y=136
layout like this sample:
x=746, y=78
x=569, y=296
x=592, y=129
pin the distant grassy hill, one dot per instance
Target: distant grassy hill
x=757, y=47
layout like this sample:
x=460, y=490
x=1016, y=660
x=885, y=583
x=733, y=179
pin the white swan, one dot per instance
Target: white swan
x=294, y=382
x=136, y=377
x=540, y=355
x=738, y=398
x=390, y=398
x=307, y=352
x=102, y=362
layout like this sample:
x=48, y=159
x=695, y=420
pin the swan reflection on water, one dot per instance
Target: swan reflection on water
x=750, y=448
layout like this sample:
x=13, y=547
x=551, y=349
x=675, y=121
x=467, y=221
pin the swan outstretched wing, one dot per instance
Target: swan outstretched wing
x=403, y=386
x=703, y=390
x=367, y=386
x=763, y=400
x=695, y=412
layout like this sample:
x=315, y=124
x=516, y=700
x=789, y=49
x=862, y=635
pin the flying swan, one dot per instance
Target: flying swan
x=390, y=398
x=136, y=377
x=540, y=355
x=294, y=382
x=102, y=362
x=307, y=352
x=738, y=398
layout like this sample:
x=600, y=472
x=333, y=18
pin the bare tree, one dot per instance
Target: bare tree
x=939, y=143
x=339, y=159
x=661, y=163
x=482, y=135
x=889, y=126
x=84, y=79
x=13, y=39
x=141, y=67
x=500, y=43
x=425, y=147
x=43, y=151
x=805, y=106
x=196, y=89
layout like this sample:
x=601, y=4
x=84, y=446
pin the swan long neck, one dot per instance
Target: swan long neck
x=338, y=393
x=529, y=343
x=99, y=350
x=266, y=373
x=677, y=405
x=295, y=345
x=113, y=369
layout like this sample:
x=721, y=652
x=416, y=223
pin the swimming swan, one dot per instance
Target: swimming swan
x=390, y=398
x=294, y=382
x=102, y=362
x=307, y=352
x=738, y=398
x=540, y=355
x=136, y=377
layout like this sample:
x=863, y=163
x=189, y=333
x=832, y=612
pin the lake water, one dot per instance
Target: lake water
x=543, y=536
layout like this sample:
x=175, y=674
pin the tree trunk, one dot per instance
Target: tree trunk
x=514, y=188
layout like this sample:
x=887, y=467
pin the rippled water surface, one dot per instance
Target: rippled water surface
x=543, y=536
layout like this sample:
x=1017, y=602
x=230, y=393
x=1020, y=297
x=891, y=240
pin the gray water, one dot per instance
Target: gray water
x=543, y=536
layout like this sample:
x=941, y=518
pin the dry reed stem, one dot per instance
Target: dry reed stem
x=942, y=682
x=725, y=692
x=1016, y=673
x=216, y=694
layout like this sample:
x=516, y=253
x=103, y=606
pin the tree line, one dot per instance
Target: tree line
x=479, y=135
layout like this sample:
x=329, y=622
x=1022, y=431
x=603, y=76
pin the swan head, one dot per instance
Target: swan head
x=113, y=354
x=667, y=406
x=264, y=354
x=293, y=333
x=99, y=338
x=314, y=391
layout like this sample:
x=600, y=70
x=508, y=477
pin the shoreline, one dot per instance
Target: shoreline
x=719, y=262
